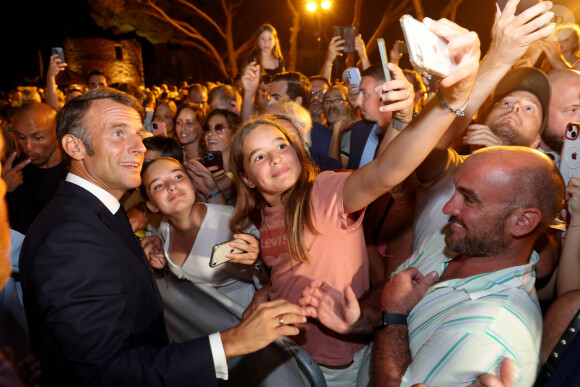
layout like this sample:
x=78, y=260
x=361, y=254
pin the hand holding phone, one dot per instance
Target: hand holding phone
x=384, y=58
x=353, y=75
x=570, y=157
x=427, y=51
x=346, y=33
x=213, y=158
x=58, y=51
x=219, y=252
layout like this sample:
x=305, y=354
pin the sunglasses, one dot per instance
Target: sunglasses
x=218, y=128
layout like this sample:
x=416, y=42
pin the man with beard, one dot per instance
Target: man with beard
x=514, y=119
x=341, y=117
x=517, y=118
x=564, y=108
x=466, y=298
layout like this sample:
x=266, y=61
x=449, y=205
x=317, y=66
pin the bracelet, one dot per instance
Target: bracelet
x=213, y=195
x=458, y=112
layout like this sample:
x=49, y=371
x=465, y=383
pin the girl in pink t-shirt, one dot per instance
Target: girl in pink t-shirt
x=310, y=227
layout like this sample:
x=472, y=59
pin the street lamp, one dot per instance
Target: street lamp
x=312, y=6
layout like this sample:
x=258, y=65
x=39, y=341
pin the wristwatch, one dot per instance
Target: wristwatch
x=399, y=124
x=392, y=318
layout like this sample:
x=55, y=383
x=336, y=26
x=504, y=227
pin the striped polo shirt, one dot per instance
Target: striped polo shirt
x=463, y=328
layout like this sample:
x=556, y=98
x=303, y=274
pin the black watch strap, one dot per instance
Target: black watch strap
x=392, y=318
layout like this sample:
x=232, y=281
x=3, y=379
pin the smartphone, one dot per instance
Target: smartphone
x=58, y=51
x=346, y=33
x=219, y=251
x=211, y=158
x=427, y=51
x=521, y=7
x=384, y=58
x=158, y=128
x=402, y=47
x=353, y=74
x=570, y=157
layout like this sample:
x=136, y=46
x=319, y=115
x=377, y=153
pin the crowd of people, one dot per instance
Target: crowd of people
x=413, y=232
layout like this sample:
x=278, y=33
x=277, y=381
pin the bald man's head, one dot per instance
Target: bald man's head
x=564, y=107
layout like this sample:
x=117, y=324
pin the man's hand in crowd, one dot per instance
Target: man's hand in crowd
x=480, y=136
x=512, y=35
x=405, y=289
x=12, y=174
x=266, y=323
x=397, y=95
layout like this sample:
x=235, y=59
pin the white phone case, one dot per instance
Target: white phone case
x=427, y=51
x=353, y=74
x=384, y=58
x=570, y=157
x=219, y=251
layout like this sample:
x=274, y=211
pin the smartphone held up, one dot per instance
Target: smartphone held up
x=346, y=33
x=427, y=51
x=570, y=157
x=158, y=128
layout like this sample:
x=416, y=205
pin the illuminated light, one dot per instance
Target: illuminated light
x=325, y=4
x=311, y=6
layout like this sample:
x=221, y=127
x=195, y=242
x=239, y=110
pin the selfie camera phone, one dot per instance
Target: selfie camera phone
x=346, y=33
x=384, y=58
x=353, y=74
x=427, y=51
x=211, y=158
x=159, y=129
x=219, y=251
x=58, y=51
x=570, y=157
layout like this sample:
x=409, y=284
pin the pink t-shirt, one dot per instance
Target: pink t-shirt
x=337, y=254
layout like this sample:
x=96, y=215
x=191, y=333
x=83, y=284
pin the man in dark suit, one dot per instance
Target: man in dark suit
x=93, y=308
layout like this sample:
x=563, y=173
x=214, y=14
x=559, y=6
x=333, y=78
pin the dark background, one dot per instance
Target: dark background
x=33, y=27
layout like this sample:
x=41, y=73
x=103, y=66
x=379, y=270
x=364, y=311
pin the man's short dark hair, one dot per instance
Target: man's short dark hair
x=168, y=146
x=71, y=118
x=298, y=86
x=376, y=72
x=319, y=78
x=95, y=72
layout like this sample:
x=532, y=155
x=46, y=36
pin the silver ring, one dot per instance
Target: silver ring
x=281, y=320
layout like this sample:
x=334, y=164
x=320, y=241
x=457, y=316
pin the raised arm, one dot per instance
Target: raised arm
x=251, y=82
x=410, y=148
x=511, y=37
x=568, y=277
x=335, y=48
x=54, y=67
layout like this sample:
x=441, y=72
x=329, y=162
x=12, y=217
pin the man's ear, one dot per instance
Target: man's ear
x=151, y=207
x=73, y=147
x=248, y=182
x=524, y=221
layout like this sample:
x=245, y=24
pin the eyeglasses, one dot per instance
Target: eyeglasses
x=319, y=93
x=335, y=102
x=218, y=128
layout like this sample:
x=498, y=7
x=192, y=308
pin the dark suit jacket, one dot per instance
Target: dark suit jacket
x=358, y=139
x=93, y=308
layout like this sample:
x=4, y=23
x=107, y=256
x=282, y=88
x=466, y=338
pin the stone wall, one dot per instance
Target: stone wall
x=120, y=60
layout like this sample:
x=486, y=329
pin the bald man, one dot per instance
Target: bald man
x=466, y=298
x=564, y=108
x=31, y=182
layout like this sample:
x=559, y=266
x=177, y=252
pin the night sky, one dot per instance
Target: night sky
x=39, y=25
